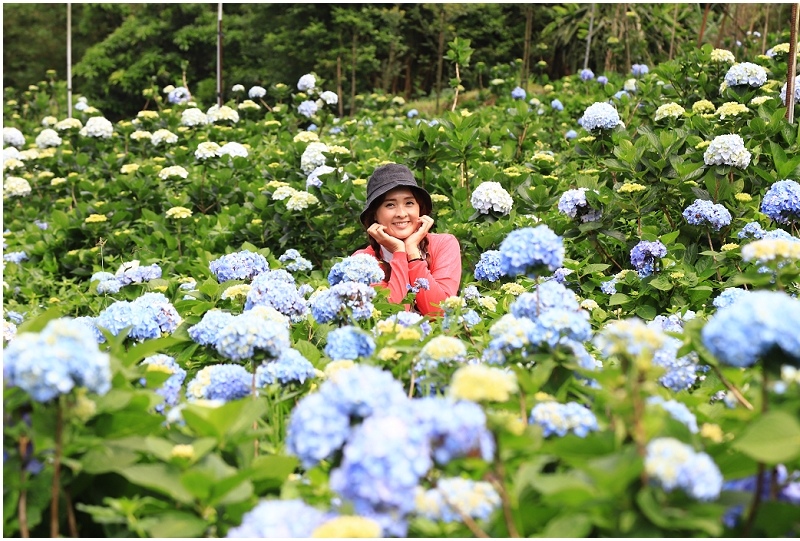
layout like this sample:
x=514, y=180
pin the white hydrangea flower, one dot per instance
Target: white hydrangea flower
x=216, y=114
x=193, y=117
x=13, y=137
x=668, y=110
x=491, y=196
x=727, y=150
x=163, y=136
x=306, y=83
x=139, y=135
x=16, y=187
x=99, y=127
x=331, y=98
x=69, y=124
x=313, y=156
x=207, y=149
x=233, y=149
x=173, y=171
x=48, y=138
x=301, y=200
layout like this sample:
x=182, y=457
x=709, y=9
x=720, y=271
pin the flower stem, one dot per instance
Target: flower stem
x=732, y=388
x=56, y=488
x=751, y=517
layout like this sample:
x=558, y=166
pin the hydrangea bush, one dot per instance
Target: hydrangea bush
x=624, y=333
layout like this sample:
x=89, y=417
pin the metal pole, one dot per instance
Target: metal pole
x=69, y=60
x=589, y=39
x=792, y=71
x=219, y=54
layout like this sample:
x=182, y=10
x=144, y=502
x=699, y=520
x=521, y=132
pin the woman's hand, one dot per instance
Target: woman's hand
x=378, y=232
x=412, y=242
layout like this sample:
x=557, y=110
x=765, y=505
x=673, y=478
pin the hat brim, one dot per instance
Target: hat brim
x=420, y=193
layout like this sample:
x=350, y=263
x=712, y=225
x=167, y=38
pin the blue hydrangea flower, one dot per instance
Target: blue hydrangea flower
x=334, y=304
x=600, y=116
x=630, y=337
x=546, y=296
x=528, y=250
x=361, y=268
x=362, y=390
x=704, y=212
x=638, y=70
x=559, y=419
x=752, y=230
x=620, y=94
x=571, y=134
x=796, y=91
x=488, y=268
x=788, y=490
x=602, y=80
x=149, y=316
x=296, y=262
x=382, y=463
x=470, y=292
x=109, y=287
x=206, y=332
x=90, y=323
x=15, y=317
x=224, y=382
x=518, y=93
x=680, y=372
x=133, y=273
x=455, y=495
x=510, y=333
x=454, y=429
x=419, y=283
x=15, y=257
x=746, y=74
x=279, y=518
x=728, y=296
x=316, y=430
x=586, y=74
x=557, y=105
x=171, y=388
x=672, y=465
x=308, y=108
x=757, y=323
x=782, y=202
x=243, y=265
x=268, y=289
x=644, y=255
x=179, y=95
x=289, y=367
x=677, y=410
x=412, y=113
x=52, y=362
x=349, y=342
x=727, y=150
x=573, y=203
x=248, y=333
x=101, y=276
x=609, y=287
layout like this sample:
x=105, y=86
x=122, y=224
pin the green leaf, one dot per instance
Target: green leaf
x=772, y=438
x=177, y=524
x=158, y=477
x=568, y=525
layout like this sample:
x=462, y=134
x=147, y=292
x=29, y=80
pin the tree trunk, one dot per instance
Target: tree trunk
x=703, y=25
x=409, y=87
x=339, y=84
x=440, y=64
x=353, y=75
x=674, y=26
x=792, y=69
x=526, y=51
x=721, y=29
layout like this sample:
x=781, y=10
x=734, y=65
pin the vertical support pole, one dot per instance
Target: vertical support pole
x=791, y=73
x=69, y=59
x=219, y=54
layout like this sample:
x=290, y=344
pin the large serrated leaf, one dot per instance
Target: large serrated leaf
x=772, y=438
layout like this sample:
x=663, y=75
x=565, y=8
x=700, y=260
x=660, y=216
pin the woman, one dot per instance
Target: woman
x=397, y=220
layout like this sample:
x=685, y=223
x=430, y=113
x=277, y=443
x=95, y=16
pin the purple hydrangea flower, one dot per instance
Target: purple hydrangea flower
x=703, y=212
x=644, y=255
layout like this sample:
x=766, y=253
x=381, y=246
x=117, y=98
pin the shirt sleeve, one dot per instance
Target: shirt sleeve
x=443, y=274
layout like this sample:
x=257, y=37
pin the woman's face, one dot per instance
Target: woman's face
x=398, y=213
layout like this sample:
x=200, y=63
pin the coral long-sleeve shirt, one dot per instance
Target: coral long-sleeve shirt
x=443, y=274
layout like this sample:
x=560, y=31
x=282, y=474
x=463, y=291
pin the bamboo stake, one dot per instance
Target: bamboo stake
x=219, y=54
x=69, y=59
x=792, y=71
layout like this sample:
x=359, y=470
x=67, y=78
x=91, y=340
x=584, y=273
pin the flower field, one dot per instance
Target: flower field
x=191, y=350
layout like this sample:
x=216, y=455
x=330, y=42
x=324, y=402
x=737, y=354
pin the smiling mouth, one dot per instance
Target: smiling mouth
x=401, y=224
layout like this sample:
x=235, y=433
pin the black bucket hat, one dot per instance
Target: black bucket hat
x=388, y=177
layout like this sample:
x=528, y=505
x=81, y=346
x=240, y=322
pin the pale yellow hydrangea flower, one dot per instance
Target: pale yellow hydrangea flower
x=631, y=187
x=731, y=108
x=343, y=527
x=238, y=290
x=743, y=197
x=512, y=288
x=703, y=106
x=388, y=354
x=728, y=247
x=668, y=110
x=479, y=382
x=95, y=218
x=183, y=451
x=179, y=213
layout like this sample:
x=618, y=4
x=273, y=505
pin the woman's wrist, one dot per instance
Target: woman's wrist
x=412, y=252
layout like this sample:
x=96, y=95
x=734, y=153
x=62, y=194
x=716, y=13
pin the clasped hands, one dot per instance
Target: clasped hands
x=410, y=245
